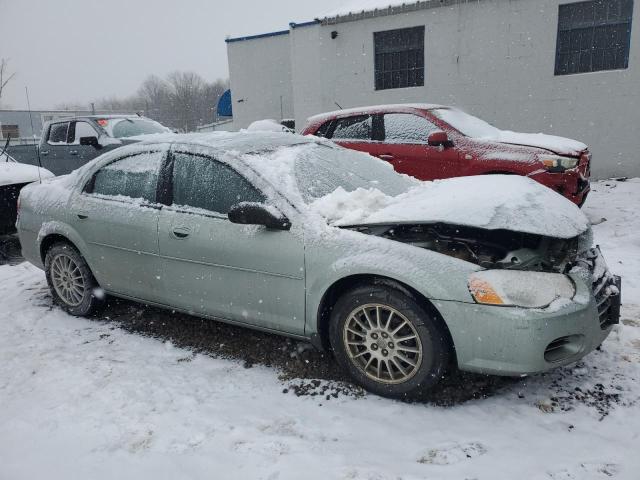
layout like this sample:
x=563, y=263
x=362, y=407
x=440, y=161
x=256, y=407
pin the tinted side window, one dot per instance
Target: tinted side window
x=134, y=177
x=407, y=128
x=354, y=128
x=202, y=182
x=58, y=132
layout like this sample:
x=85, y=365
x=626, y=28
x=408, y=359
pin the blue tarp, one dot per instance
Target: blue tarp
x=224, y=105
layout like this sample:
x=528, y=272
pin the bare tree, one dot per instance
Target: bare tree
x=186, y=96
x=5, y=76
x=154, y=95
x=182, y=101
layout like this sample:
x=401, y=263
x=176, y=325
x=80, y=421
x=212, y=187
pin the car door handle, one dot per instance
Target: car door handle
x=386, y=157
x=82, y=216
x=181, y=232
x=73, y=152
x=44, y=152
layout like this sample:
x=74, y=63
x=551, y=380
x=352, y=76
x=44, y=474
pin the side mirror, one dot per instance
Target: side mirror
x=439, y=139
x=251, y=213
x=90, y=141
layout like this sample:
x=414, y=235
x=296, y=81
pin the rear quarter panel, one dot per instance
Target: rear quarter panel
x=44, y=211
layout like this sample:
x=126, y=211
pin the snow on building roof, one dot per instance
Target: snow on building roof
x=361, y=6
x=359, y=9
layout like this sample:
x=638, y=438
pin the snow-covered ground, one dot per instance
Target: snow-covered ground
x=86, y=399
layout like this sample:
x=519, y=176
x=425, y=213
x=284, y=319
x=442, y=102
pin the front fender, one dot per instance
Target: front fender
x=434, y=275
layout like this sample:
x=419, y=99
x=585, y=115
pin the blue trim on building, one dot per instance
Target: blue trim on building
x=253, y=37
x=292, y=25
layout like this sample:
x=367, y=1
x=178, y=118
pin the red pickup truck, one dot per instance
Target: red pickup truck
x=433, y=141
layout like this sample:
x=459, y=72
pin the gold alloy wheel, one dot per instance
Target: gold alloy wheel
x=382, y=343
x=67, y=279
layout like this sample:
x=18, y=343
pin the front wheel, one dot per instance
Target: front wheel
x=388, y=342
x=70, y=280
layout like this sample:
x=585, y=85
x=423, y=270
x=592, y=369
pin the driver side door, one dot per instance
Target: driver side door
x=244, y=273
x=405, y=146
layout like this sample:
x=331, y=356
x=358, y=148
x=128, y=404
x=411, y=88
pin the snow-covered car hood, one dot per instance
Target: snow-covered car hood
x=12, y=173
x=557, y=145
x=492, y=202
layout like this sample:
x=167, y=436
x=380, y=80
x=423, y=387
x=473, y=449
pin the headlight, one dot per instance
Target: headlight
x=555, y=162
x=518, y=288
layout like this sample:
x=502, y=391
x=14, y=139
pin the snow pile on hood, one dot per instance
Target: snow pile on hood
x=491, y=202
x=15, y=173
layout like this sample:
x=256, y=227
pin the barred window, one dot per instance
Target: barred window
x=593, y=36
x=399, y=58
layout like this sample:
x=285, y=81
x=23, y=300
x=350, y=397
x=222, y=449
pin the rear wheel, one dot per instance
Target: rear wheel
x=388, y=343
x=70, y=280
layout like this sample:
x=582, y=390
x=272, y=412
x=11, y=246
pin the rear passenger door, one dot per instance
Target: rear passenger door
x=116, y=214
x=244, y=273
x=406, y=147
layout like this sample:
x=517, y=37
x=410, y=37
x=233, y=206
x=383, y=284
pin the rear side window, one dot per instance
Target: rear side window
x=58, y=132
x=133, y=177
x=201, y=182
x=407, y=128
x=354, y=128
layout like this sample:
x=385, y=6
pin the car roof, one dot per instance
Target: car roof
x=397, y=107
x=241, y=142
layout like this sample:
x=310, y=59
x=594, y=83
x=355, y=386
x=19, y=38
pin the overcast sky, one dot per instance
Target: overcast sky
x=82, y=50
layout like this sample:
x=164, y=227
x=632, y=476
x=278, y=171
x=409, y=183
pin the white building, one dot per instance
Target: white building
x=554, y=66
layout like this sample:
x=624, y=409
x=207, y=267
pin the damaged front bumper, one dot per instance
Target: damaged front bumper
x=517, y=341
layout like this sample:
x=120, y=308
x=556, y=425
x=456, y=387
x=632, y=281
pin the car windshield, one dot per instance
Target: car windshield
x=319, y=170
x=466, y=124
x=130, y=127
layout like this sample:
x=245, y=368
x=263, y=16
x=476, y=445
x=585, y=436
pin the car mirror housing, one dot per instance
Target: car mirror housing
x=91, y=141
x=252, y=213
x=439, y=139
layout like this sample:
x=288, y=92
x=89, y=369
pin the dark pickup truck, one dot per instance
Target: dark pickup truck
x=69, y=143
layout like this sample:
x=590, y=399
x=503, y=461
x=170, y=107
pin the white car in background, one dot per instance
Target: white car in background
x=14, y=176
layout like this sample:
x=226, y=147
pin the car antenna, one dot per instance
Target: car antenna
x=338, y=105
x=26, y=90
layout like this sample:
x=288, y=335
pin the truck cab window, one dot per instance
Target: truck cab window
x=58, y=133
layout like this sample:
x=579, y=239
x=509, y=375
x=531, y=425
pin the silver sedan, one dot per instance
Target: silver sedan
x=294, y=235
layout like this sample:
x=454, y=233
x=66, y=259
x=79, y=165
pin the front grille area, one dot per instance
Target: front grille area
x=606, y=290
x=605, y=286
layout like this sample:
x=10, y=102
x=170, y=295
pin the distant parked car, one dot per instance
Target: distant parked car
x=269, y=125
x=14, y=176
x=297, y=236
x=67, y=144
x=433, y=141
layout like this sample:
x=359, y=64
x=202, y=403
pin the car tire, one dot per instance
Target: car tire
x=70, y=280
x=400, y=364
